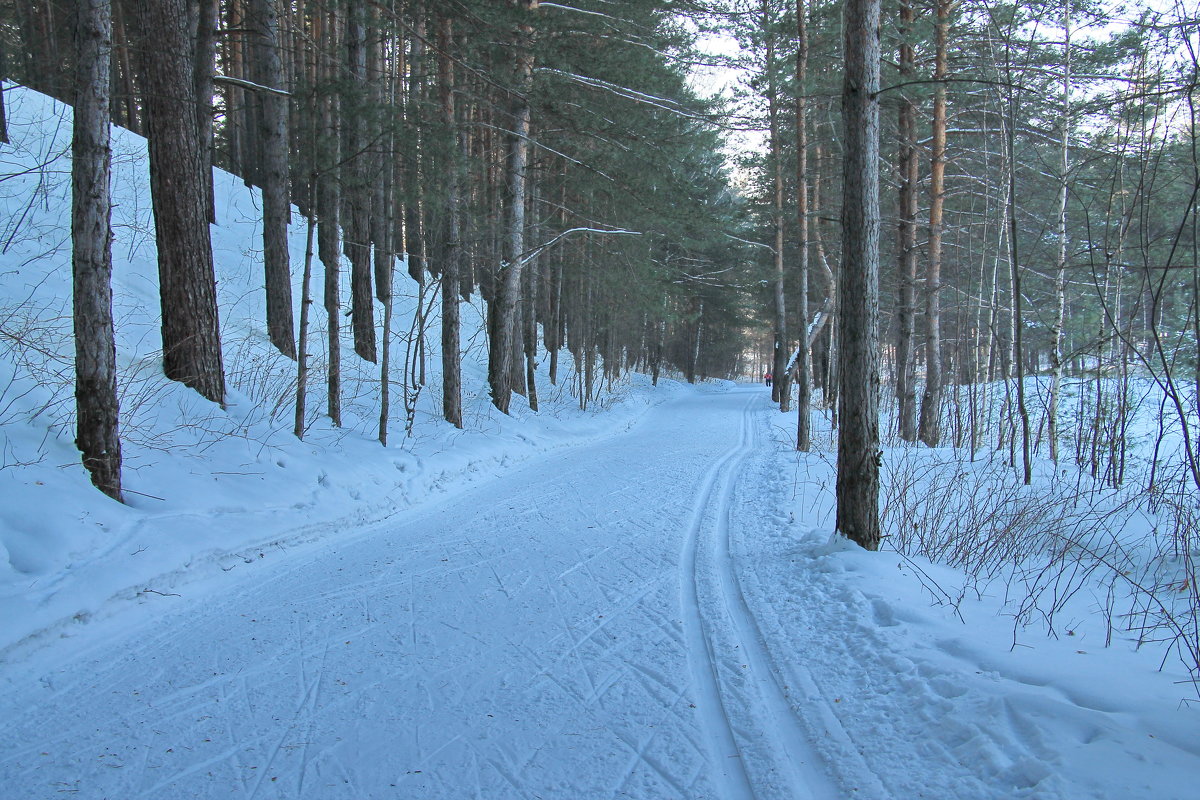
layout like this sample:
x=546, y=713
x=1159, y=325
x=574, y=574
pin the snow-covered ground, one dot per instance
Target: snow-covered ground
x=642, y=600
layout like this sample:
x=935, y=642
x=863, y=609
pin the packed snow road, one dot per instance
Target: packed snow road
x=573, y=629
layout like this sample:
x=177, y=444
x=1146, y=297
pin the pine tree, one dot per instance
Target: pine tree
x=96, y=405
x=187, y=284
x=272, y=133
x=858, y=433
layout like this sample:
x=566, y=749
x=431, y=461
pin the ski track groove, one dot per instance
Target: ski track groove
x=310, y=713
x=788, y=733
x=720, y=741
x=640, y=757
x=600, y=615
x=707, y=559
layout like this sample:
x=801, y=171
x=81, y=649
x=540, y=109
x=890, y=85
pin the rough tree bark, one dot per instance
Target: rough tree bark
x=452, y=248
x=414, y=209
x=503, y=319
x=356, y=191
x=383, y=91
x=96, y=405
x=187, y=284
x=329, y=204
x=780, y=388
x=803, y=357
x=908, y=164
x=206, y=60
x=262, y=20
x=859, y=455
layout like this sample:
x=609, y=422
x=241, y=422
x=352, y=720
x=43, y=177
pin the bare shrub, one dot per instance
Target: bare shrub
x=1040, y=546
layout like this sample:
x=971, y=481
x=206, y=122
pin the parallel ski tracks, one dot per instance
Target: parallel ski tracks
x=722, y=624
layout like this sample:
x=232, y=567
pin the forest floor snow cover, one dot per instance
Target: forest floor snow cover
x=640, y=600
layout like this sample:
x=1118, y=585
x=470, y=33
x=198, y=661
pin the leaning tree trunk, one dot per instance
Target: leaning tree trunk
x=858, y=435
x=178, y=191
x=273, y=173
x=96, y=405
x=931, y=401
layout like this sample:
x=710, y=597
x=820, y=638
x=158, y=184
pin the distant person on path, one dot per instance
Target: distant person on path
x=767, y=378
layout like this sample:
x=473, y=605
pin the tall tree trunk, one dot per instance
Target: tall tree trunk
x=305, y=305
x=125, y=101
x=356, y=191
x=1060, y=272
x=414, y=209
x=96, y=404
x=273, y=173
x=503, y=319
x=908, y=160
x=859, y=455
x=804, y=357
x=531, y=347
x=532, y=280
x=44, y=26
x=931, y=401
x=1018, y=356
x=231, y=56
x=247, y=110
x=187, y=284
x=386, y=354
x=384, y=93
x=206, y=61
x=829, y=306
x=329, y=203
x=452, y=248
x=380, y=158
x=3, y=77
x=780, y=388
x=552, y=331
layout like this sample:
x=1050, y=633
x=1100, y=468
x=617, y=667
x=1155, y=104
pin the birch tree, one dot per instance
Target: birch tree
x=1060, y=267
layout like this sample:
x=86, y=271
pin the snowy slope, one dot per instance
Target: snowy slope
x=643, y=602
x=207, y=488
